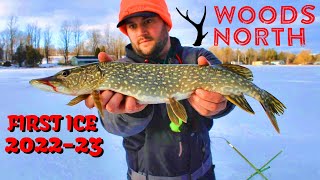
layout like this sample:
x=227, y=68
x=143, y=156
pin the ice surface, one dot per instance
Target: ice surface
x=298, y=87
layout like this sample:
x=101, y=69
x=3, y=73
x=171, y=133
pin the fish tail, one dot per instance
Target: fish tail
x=272, y=106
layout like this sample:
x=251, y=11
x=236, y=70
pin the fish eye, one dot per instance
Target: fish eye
x=65, y=73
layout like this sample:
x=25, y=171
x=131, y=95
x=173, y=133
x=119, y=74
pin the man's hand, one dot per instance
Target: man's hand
x=204, y=102
x=115, y=102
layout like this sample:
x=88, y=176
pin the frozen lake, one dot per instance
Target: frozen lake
x=298, y=87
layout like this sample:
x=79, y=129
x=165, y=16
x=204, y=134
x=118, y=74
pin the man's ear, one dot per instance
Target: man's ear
x=168, y=28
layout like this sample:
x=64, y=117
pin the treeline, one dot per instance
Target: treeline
x=248, y=56
x=30, y=45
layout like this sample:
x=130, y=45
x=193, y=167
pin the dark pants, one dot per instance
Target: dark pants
x=208, y=176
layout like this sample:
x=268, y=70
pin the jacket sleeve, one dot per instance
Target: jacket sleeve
x=209, y=55
x=224, y=112
x=127, y=124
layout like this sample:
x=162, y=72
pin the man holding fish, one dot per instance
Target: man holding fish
x=162, y=97
x=153, y=150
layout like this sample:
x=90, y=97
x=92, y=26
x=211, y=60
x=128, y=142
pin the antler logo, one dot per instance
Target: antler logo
x=199, y=26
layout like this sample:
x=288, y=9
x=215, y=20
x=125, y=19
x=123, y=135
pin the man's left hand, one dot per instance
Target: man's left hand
x=207, y=103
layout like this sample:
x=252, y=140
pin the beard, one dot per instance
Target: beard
x=156, y=50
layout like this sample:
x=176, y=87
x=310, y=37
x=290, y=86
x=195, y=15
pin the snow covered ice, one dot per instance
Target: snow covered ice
x=298, y=87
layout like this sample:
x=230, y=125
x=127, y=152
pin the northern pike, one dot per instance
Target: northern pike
x=161, y=83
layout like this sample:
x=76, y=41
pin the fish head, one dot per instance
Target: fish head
x=74, y=81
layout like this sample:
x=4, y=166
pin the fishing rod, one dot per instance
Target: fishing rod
x=258, y=171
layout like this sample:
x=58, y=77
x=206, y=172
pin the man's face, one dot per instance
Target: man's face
x=148, y=35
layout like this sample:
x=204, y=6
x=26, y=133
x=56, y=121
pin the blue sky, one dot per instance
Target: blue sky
x=101, y=13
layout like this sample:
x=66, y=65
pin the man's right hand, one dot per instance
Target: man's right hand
x=115, y=102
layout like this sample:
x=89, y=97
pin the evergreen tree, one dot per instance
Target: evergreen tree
x=33, y=57
x=97, y=52
x=1, y=53
x=282, y=56
x=271, y=54
x=21, y=54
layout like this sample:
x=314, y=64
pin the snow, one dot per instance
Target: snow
x=298, y=87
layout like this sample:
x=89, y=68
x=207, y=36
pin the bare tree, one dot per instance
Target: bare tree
x=304, y=57
x=47, y=35
x=262, y=54
x=12, y=32
x=37, y=38
x=228, y=55
x=114, y=43
x=252, y=56
x=66, y=31
x=82, y=48
x=33, y=35
x=94, y=37
x=116, y=46
x=120, y=46
x=77, y=36
x=30, y=34
x=5, y=36
x=107, y=38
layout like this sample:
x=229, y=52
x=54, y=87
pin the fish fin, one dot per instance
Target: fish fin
x=240, y=101
x=272, y=106
x=173, y=118
x=96, y=97
x=78, y=99
x=178, y=109
x=240, y=70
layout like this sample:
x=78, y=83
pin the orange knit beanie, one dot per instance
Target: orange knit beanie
x=130, y=7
